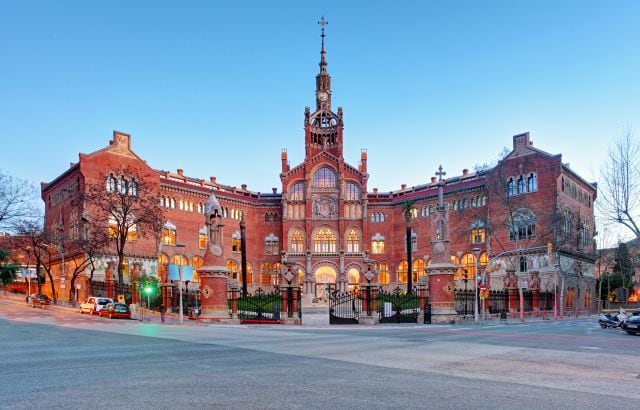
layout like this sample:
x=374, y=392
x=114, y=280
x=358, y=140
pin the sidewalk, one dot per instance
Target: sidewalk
x=150, y=316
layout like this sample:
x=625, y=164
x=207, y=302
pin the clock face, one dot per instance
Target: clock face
x=323, y=96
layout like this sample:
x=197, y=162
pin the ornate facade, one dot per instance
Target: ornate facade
x=529, y=213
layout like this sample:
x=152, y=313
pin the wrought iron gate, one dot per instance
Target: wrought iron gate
x=344, y=308
x=398, y=306
x=260, y=306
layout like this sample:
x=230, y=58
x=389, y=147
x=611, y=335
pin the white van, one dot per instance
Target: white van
x=94, y=304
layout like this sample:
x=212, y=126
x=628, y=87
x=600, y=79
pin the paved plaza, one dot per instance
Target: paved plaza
x=60, y=359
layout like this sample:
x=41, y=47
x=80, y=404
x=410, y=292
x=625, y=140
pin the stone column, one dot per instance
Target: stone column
x=511, y=283
x=534, y=284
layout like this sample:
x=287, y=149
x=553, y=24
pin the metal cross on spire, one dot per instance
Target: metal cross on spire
x=440, y=173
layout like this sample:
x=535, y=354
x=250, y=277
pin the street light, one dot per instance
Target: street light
x=465, y=278
x=476, y=253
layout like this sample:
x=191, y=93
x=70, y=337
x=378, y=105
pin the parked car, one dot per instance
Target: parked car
x=116, y=310
x=38, y=299
x=631, y=325
x=94, y=304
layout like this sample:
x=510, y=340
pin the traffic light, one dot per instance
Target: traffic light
x=148, y=289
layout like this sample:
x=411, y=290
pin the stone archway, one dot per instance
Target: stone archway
x=353, y=279
x=325, y=280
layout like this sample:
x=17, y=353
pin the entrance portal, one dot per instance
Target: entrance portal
x=325, y=281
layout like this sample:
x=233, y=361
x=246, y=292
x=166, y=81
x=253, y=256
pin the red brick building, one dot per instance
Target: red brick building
x=530, y=210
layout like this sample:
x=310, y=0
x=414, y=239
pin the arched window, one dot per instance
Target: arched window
x=521, y=186
x=324, y=178
x=469, y=265
x=296, y=192
x=133, y=187
x=511, y=187
x=522, y=225
x=271, y=245
x=478, y=232
x=122, y=185
x=532, y=182
x=111, y=183
x=456, y=261
x=377, y=244
x=296, y=243
x=418, y=270
x=402, y=272
x=383, y=273
x=169, y=234
x=236, y=242
x=324, y=241
x=353, y=241
x=179, y=260
x=196, y=262
x=265, y=274
x=352, y=192
x=232, y=266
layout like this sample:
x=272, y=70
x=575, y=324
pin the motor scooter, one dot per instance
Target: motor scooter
x=606, y=321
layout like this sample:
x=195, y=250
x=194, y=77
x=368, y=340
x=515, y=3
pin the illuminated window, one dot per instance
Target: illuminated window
x=469, y=265
x=179, y=260
x=249, y=275
x=324, y=178
x=478, y=232
x=232, y=266
x=296, y=244
x=377, y=245
x=113, y=228
x=202, y=238
x=383, y=273
x=353, y=241
x=197, y=262
x=418, y=270
x=275, y=277
x=235, y=242
x=352, y=192
x=265, y=273
x=458, y=273
x=402, y=272
x=132, y=234
x=324, y=241
x=169, y=234
x=296, y=192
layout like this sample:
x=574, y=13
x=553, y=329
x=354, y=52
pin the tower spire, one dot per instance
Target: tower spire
x=323, y=53
x=323, y=79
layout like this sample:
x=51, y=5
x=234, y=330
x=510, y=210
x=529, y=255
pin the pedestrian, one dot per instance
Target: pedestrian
x=163, y=312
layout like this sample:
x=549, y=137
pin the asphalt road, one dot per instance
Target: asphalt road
x=60, y=359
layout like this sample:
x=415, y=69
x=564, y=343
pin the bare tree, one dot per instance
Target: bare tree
x=127, y=207
x=32, y=239
x=619, y=199
x=17, y=199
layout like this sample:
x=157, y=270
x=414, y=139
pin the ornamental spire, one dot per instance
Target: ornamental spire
x=323, y=53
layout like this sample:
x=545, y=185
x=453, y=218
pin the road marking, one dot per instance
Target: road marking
x=591, y=347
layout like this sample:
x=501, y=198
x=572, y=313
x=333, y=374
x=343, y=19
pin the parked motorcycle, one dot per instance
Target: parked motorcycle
x=606, y=321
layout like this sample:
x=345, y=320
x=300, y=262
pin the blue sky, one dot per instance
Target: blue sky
x=219, y=87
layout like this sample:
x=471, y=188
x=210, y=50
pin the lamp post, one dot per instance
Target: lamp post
x=465, y=278
x=180, y=292
x=476, y=254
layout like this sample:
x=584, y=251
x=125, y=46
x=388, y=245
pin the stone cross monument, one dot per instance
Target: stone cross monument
x=213, y=274
x=441, y=271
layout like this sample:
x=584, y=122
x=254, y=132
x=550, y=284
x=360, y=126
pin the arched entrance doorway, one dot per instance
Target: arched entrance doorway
x=353, y=276
x=325, y=280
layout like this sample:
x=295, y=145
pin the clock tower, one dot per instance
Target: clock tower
x=323, y=127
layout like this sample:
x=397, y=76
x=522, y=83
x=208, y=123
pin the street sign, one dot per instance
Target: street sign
x=483, y=288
